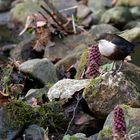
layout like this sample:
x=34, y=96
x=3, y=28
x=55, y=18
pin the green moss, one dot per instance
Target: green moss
x=124, y=106
x=18, y=113
x=5, y=78
x=51, y=114
x=82, y=64
x=93, y=86
x=106, y=132
x=68, y=137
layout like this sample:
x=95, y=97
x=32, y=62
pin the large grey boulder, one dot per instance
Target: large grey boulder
x=106, y=91
x=41, y=69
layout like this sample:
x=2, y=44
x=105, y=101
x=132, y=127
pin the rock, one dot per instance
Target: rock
x=5, y=131
x=84, y=15
x=77, y=136
x=7, y=48
x=98, y=8
x=37, y=93
x=135, y=11
x=24, y=51
x=82, y=11
x=26, y=115
x=93, y=137
x=88, y=21
x=118, y=16
x=7, y=36
x=86, y=124
x=34, y=132
x=132, y=24
x=64, y=89
x=66, y=45
x=97, y=30
x=1, y=115
x=4, y=18
x=27, y=7
x=128, y=2
x=41, y=69
x=104, y=92
x=132, y=117
x=5, y=5
x=99, y=4
x=64, y=4
x=132, y=34
x=71, y=58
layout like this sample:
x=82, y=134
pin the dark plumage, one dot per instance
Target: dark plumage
x=114, y=47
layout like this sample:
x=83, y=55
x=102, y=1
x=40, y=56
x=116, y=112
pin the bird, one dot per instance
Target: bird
x=114, y=47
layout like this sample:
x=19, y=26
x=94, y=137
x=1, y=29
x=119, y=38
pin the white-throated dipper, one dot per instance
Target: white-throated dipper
x=114, y=47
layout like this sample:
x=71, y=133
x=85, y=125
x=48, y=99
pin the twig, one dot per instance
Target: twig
x=59, y=15
x=43, y=15
x=49, y=13
x=74, y=113
x=70, y=8
x=73, y=24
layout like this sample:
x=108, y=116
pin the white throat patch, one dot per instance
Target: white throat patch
x=106, y=48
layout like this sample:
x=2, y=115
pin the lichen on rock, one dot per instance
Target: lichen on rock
x=106, y=91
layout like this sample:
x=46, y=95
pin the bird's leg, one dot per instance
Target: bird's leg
x=113, y=65
x=120, y=66
x=116, y=70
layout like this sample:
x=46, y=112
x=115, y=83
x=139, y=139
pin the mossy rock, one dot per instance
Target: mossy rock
x=22, y=10
x=118, y=16
x=105, y=92
x=106, y=134
x=19, y=113
x=128, y=2
x=132, y=118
